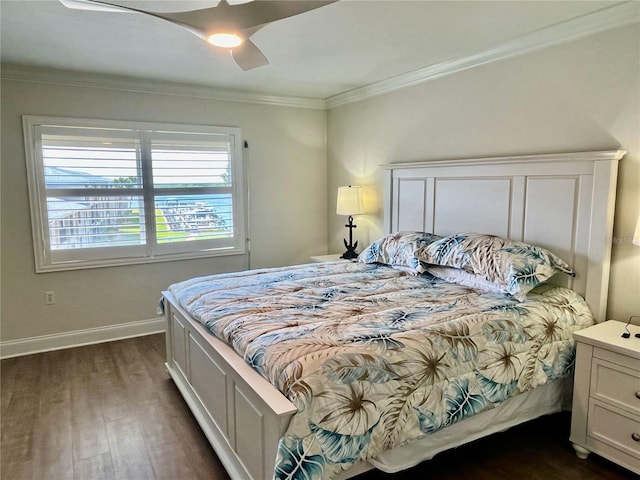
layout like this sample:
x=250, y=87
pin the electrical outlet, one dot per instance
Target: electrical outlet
x=49, y=297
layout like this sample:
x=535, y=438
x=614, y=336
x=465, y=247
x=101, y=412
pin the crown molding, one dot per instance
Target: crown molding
x=606, y=19
x=69, y=78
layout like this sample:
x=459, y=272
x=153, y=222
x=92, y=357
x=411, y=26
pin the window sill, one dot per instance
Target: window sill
x=119, y=262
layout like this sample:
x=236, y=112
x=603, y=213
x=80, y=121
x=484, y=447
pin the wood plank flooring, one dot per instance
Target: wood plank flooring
x=111, y=412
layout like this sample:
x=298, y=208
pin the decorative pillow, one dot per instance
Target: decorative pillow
x=398, y=250
x=515, y=267
x=464, y=278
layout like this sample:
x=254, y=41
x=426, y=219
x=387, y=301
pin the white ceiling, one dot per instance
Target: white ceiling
x=338, y=48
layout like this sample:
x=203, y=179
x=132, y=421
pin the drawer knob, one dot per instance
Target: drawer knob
x=635, y=436
x=638, y=395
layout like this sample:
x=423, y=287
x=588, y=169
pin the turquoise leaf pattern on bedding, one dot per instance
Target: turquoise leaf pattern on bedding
x=295, y=464
x=373, y=357
x=338, y=448
x=461, y=403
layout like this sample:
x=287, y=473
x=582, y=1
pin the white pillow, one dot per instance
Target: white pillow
x=464, y=278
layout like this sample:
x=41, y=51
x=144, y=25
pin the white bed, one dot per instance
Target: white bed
x=563, y=202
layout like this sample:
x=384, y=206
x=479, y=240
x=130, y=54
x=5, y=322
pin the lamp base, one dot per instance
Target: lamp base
x=351, y=247
x=351, y=251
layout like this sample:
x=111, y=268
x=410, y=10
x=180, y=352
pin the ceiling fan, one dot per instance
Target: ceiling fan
x=224, y=25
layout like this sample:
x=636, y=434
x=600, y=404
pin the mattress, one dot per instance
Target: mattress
x=374, y=358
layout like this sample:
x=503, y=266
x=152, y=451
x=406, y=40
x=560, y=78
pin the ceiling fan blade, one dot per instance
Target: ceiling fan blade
x=248, y=56
x=94, y=6
x=245, y=15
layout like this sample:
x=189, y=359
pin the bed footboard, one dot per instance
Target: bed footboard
x=242, y=415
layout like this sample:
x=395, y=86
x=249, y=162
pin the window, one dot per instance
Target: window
x=108, y=193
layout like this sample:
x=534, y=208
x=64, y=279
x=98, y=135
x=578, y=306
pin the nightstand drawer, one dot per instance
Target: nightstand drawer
x=616, y=384
x=617, y=358
x=615, y=428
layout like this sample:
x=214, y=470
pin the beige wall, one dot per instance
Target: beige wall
x=579, y=96
x=287, y=180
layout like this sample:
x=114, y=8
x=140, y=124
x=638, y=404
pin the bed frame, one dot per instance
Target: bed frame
x=563, y=202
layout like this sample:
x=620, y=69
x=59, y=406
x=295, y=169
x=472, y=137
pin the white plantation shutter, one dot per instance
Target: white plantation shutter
x=93, y=189
x=106, y=193
x=193, y=188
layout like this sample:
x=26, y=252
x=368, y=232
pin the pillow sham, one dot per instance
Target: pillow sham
x=515, y=267
x=398, y=250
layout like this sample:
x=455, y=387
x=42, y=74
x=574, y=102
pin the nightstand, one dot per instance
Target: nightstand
x=332, y=257
x=606, y=394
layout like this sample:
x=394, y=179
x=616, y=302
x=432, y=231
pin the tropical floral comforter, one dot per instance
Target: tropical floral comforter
x=373, y=357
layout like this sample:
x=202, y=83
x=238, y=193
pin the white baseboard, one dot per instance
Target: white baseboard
x=76, y=338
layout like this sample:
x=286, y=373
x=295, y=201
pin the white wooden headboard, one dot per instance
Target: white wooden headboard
x=563, y=202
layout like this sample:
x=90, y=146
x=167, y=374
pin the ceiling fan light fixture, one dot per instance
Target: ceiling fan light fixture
x=225, y=40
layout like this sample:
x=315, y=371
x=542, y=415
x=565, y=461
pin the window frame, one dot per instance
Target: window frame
x=151, y=251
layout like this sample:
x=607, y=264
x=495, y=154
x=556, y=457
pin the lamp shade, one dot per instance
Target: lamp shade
x=350, y=201
x=636, y=235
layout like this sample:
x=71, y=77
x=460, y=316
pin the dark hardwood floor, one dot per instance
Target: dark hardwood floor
x=110, y=411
